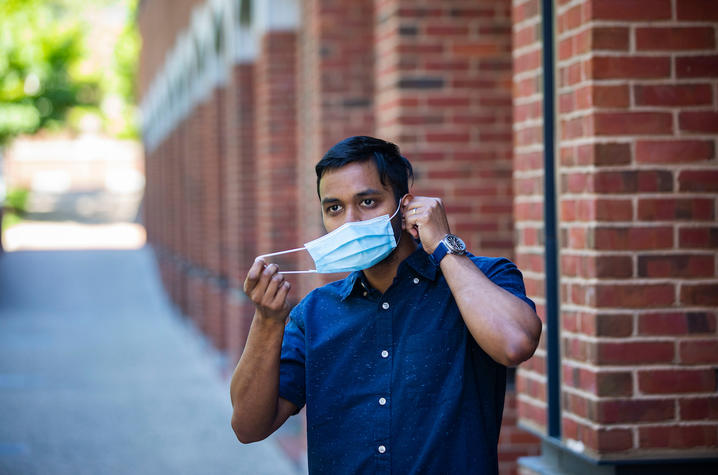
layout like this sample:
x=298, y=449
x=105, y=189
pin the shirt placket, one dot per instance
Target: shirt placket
x=382, y=400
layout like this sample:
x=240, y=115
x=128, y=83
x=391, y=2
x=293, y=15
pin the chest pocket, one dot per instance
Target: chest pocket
x=432, y=366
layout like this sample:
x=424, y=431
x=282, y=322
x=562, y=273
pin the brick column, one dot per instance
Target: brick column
x=170, y=213
x=528, y=197
x=196, y=233
x=444, y=95
x=637, y=200
x=212, y=213
x=275, y=141
x=186, y=139
x=179, y=221
x=240, y=203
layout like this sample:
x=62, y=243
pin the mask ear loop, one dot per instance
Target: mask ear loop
x=308, y=271
x=395, y=213
x=398, y=207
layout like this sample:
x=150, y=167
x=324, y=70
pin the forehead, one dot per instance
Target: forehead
x=351, y=179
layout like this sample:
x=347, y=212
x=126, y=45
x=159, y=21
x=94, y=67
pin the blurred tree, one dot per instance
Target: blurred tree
x=41, y=48
x=119, y=82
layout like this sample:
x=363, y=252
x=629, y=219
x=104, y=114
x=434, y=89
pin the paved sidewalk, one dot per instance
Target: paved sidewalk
x=99, y=376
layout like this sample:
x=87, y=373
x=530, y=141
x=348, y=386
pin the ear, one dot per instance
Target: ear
x=405, y=200
x=403, y=203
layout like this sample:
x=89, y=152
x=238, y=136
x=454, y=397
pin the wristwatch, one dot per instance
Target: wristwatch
x=451, y=244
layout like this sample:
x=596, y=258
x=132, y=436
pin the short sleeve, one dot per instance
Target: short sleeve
x=292, y=386
x=506, y=275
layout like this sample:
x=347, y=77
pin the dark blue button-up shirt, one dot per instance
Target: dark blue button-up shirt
x=395, y=383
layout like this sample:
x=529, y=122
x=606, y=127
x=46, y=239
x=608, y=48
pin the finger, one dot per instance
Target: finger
x=414, y=231
x=412, y=218
x=436, y=205
x=271, y=292
x=253, y=275
x=281, y=297
x=261, y=288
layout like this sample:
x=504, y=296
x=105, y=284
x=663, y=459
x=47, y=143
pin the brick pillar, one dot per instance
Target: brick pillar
x=147, y=199
x=528, y=197
x=198, y=123
x=241, y=201
x=183, y=133
x=160, y=199
x=335, y=100
x=239, y=192
x=637, y=184
x=275, y=115
x=178, y=225
x=212, y=180
x=211, y=170
x=444, y=95
x=168, y=218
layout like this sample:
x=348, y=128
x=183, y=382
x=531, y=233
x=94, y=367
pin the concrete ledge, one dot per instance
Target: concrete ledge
x=556, y=459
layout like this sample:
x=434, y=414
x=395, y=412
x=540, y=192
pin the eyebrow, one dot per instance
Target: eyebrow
x=361, y=194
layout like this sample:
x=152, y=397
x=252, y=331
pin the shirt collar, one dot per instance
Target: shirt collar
x=349, y=283
x=418, y=260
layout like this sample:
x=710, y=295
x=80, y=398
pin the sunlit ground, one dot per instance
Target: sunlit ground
x=80, y=193
x=43, y=235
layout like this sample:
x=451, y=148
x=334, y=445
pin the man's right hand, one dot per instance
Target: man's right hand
x=268, y=290
x=257, y=408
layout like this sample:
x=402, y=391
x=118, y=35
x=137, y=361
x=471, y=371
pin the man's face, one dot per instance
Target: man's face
x=354, y=192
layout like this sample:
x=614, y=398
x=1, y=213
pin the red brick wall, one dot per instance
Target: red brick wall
x=240, y=202
x=159, y=21
x=514, y=442
x=528, y=195
x=238, y=181
x=186, y=138
x=659, y=181
x=444, y=94
x=637, y=204
x=275, y=142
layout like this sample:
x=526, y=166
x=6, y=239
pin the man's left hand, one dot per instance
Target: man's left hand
x=425, y=219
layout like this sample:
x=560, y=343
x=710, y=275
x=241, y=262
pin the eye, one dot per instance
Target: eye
x=368, y=202
x=333, y=209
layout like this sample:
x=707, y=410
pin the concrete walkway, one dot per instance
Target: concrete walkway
x=99, y=376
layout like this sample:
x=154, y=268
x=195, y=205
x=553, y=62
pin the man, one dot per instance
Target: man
x=402, y=365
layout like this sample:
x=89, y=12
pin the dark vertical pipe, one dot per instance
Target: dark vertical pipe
x=553, y=362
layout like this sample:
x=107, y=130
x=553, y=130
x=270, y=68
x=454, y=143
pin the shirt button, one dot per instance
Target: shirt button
x=381, y=449
x=382, y=401
x=384, y=354
x=385, y=305
x=416, y=280
x=365, y=294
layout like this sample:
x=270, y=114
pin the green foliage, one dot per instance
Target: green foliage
x=120, y=80
x=42, y=70
x=10, y=219
x=42, y=46
x=16, y=199
x=15, y=207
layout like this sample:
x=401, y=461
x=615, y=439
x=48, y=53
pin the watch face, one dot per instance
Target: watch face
x=454, y=243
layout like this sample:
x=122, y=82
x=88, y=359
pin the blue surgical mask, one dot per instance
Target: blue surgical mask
x=356, y=245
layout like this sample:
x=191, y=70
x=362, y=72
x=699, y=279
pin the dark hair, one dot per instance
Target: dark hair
x=389, y=162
